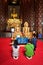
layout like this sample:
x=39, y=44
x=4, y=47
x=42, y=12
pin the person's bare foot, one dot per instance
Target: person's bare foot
x=29, y=57
x=15, y=58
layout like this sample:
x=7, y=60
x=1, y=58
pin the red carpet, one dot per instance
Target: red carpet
x=6, y=58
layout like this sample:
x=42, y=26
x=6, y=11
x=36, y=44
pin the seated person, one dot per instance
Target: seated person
x=34, y=41
x=39, y=35
x=22, y=40
x=15, y=49
x=29, y=50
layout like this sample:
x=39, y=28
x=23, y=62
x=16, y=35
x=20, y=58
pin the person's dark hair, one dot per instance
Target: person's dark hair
x=15, y=43
x=34, y=35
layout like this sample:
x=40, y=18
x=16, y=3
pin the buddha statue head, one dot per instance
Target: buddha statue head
x=26, y=24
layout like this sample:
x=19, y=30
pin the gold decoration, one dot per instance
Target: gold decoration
x=14, y=15
x=13, y=23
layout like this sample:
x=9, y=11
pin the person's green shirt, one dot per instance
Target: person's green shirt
x=29, y=49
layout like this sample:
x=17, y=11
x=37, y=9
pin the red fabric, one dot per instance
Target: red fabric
x=6, y=58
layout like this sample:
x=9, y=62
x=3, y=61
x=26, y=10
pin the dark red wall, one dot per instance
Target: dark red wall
x=3, y=14
x=32, y=11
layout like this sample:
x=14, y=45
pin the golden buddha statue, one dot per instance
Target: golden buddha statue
x=26, y=30
x=17, y=32
x=14, y=21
